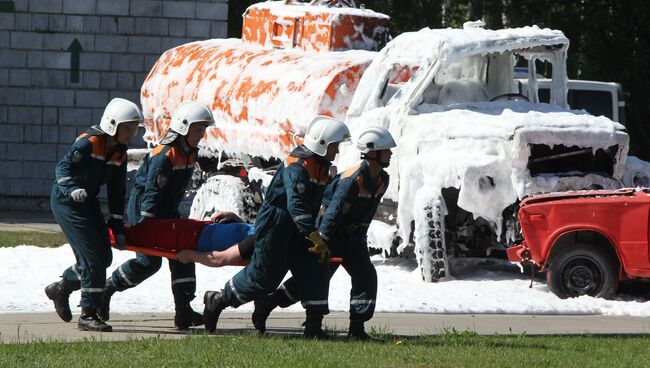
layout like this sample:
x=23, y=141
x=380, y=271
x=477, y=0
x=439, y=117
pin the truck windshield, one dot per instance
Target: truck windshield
x=396, y=79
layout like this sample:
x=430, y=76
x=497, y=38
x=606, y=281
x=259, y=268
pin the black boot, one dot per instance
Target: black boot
x=88, y=321
x=186, y=317
x=104, y=308
x=59, y=293
x=357, y=332
x=313, y=329
x=215, y=302
x=263, y=308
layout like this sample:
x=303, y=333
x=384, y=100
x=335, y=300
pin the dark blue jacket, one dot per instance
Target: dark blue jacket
x=298, y=187
x=89, y=164
x=160, y=183
x=350, y=203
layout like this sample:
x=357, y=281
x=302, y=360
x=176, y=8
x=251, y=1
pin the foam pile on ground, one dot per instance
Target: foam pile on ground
x=27, y=270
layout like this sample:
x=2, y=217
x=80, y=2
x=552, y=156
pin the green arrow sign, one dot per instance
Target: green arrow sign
x=75, y=49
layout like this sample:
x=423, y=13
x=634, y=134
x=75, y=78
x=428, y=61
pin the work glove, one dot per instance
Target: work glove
x=79, y=195
x=120, y=241
x=320, y=247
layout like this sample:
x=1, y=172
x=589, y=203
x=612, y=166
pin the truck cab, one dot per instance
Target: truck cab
x=470, y=144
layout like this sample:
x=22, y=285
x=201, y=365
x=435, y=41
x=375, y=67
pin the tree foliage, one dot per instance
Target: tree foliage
x=610, y=39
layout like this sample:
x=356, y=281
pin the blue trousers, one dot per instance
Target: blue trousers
x=85, y=228
x=280, y=248
x=136, y=270
x=356, y=262
x=143, y=266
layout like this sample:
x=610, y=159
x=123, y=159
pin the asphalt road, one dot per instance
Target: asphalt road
x=25, y=327
x=11, y=220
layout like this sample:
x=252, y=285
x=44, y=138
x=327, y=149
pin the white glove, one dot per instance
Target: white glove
x=79, y=195
x=120, y=241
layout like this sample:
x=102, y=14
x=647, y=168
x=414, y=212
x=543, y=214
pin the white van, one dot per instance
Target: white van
x=597, y=98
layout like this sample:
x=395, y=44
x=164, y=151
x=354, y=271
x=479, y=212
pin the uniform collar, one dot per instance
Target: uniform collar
x=178, y=144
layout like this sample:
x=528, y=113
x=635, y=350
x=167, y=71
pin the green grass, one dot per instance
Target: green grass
x=447, y=350
x=41, y=239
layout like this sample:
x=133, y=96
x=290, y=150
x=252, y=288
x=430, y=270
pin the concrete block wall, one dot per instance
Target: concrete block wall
x=43, y=108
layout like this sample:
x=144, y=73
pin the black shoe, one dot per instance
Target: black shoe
x=58, y=293
x=313, y=329
x=357, y=332
x=104, y=308
x=186, y=317
x=88, y=321
x=263, y=308
x=215, y=302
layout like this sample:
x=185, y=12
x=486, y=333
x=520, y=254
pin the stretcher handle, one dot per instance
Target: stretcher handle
x=172, y=254
x=150, y=251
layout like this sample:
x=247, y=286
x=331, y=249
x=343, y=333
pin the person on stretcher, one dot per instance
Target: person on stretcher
x=225, y=240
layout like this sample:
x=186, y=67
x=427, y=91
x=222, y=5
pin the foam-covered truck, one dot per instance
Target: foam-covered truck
x=470, y=146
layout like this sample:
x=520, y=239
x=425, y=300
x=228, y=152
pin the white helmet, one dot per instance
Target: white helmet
x=188, y=113
x=119, y=111
x=375, y=139
x=323, y=131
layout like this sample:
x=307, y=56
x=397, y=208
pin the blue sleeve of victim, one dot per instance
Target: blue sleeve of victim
x=220, y=237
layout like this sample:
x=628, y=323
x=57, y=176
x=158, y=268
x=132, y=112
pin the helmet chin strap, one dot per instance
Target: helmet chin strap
x=364, y=156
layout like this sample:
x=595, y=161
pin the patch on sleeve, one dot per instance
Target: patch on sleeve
x=300, y=187
x=77, y=156
x=161, y=181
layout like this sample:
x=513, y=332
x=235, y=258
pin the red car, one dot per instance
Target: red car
x=586, y=241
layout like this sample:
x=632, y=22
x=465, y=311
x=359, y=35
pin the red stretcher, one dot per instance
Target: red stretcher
x=171, y=254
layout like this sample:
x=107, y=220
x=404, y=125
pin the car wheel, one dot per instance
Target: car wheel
x=582, y=269
x=429, y=237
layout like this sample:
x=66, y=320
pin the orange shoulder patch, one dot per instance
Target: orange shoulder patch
x=317, y=173
x=290, y=160
x=159, y=148
x=178, y=159
x=99, y=146
x=347, y=173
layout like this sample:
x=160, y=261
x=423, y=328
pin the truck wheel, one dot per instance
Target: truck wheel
x=224, y=193
x=429, y=237
x=582, y=269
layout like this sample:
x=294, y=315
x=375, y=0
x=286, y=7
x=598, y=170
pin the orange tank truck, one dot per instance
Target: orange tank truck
x=294, y=61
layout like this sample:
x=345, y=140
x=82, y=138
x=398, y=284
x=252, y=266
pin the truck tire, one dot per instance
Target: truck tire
x=582, y=269
x=224, y=193
x=429, y=237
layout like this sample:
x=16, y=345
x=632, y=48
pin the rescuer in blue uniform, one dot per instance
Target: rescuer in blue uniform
x=349, y=205
x=286, y=237
x=97, y=157
x=159, y=187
